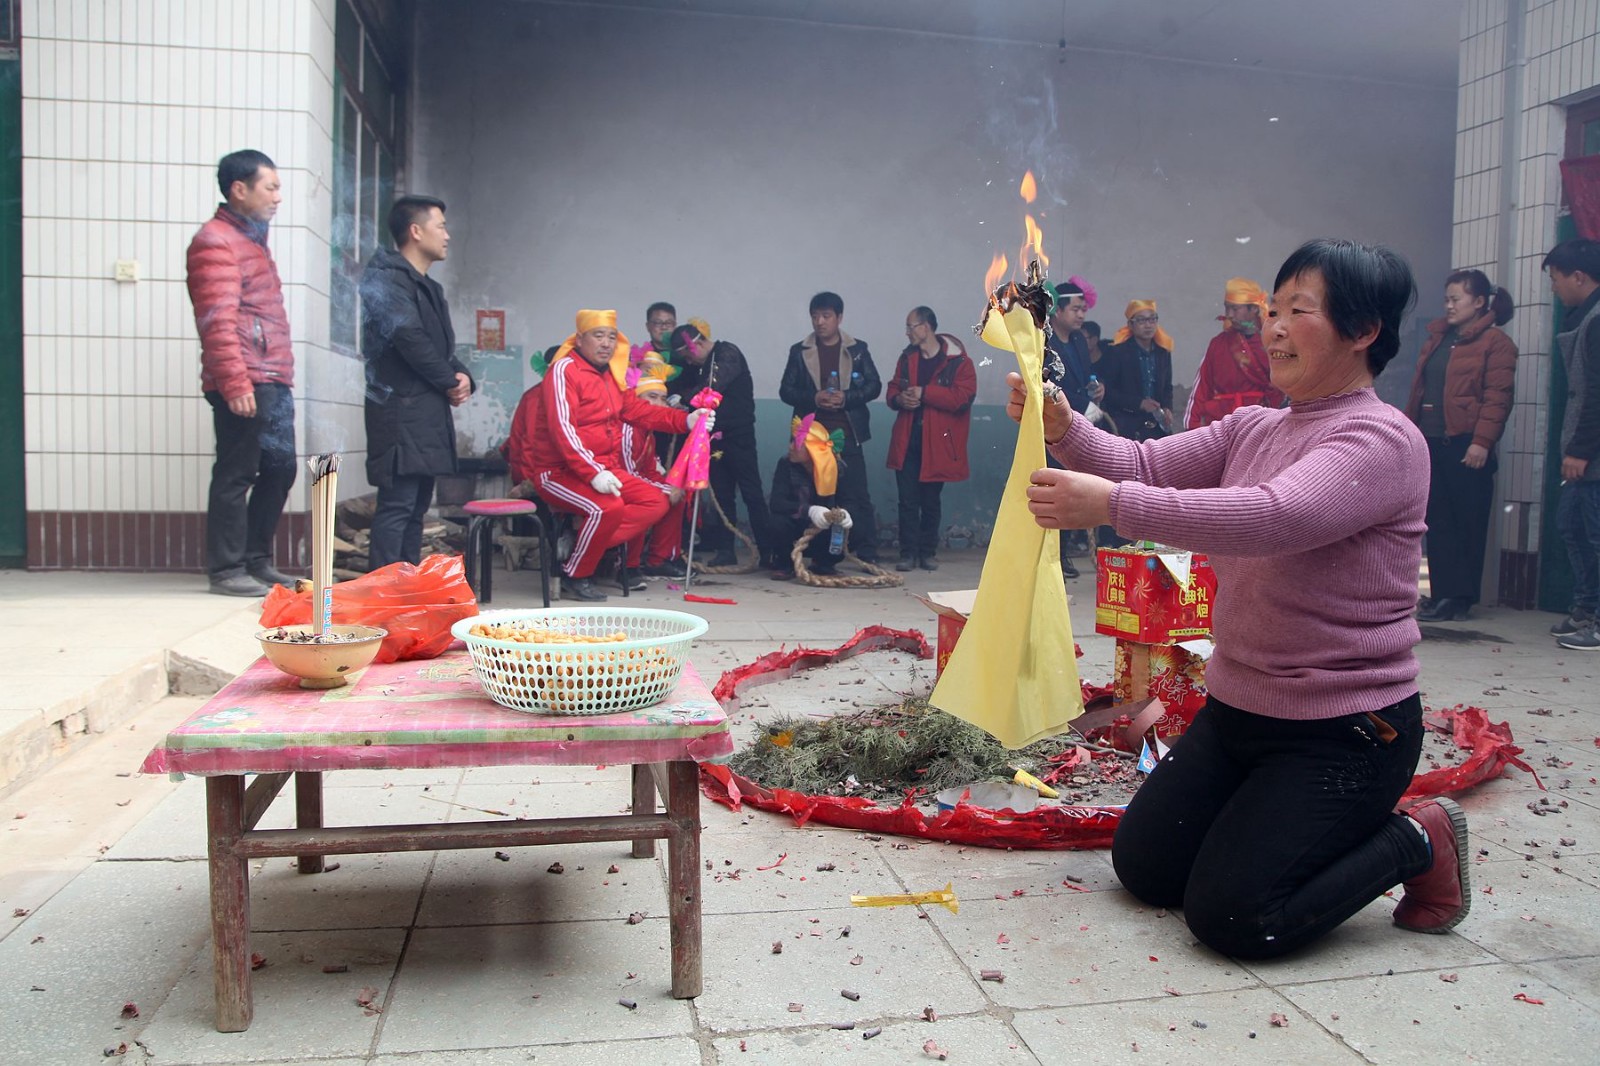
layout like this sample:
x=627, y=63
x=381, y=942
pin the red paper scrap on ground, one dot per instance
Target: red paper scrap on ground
x=693, y=598
x=1044, y=828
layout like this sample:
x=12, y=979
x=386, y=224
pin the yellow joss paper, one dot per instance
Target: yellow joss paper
x=1014, y=673
x=944, y=897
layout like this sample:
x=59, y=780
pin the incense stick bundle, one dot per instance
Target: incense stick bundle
x=324, y=502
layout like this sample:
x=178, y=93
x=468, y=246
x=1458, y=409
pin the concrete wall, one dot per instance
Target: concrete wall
x=126, y=109
x=596, y=157
x=1522, y=63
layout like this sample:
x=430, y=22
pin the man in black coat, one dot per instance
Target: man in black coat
x=720, y=365
x=413, y=377
x=831, y=374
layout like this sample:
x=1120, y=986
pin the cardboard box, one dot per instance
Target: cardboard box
x=952, y=609
x=1171, y=673
x=1139, y=595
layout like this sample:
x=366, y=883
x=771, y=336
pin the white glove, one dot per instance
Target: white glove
x=606, y=483
x=818, y=516
x=705, y=413
x=846, y=521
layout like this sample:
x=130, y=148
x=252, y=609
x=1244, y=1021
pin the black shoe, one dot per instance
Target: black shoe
x=781, y=573
x=1068, y=569
x=581, y=588
x=1448, y=609
x=238, y=585
x=725, y=557
x=905, y=564
x=928, y=562
x=635, y=583
x=667, y=569
x=1572, y=623
x=269, y=575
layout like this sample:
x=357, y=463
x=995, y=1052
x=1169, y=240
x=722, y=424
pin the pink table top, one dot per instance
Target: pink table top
x=424, y=713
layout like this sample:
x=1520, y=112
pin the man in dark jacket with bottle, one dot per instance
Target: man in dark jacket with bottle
x=246, y=373
x=413, y=377
x=710, y=364
x=831, y=374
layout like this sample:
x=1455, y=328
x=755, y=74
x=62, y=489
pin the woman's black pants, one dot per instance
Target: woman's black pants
x=1269, y=832
x=1459, y=499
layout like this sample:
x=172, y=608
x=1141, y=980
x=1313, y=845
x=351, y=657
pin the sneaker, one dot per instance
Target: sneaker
x=905, y=564
x=666, y=569
x=1572, y=623
x=635, y=583
x=928, y=563
x=1585, y=639
x=581, y=588
x=724, y=557
x=238, y=585
x=270, y=575
x=1437, y=899
x=1068, y=570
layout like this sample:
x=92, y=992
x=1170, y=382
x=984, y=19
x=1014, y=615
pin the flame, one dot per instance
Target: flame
x=1035, y=244
x=1030, y=188
x=997, y=273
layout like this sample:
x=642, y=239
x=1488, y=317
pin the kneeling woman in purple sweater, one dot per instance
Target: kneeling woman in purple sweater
x=1273, y=818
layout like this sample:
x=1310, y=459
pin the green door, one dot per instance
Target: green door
x=13, y=517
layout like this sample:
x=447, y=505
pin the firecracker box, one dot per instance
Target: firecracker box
x=952, y=609
x=1139, y=598
x=1171, y=673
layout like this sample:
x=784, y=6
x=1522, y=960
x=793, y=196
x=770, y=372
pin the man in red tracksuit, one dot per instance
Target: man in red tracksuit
x=578, y=458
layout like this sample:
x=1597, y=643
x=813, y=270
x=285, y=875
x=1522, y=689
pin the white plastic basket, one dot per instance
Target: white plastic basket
x=574, y=677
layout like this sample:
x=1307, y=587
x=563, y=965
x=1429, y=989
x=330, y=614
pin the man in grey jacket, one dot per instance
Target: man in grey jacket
x=1574, y=269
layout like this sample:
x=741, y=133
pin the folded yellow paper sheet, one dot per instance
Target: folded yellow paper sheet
x=1014, y=673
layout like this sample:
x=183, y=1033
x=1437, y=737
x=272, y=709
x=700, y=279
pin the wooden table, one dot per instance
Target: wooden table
x=428, y=714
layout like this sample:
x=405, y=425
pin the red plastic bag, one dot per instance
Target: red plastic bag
x=416, y=604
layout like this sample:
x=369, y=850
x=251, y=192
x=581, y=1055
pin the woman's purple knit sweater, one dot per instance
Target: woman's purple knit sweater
x=1313, y=518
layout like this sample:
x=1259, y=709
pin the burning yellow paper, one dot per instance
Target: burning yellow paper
x=1014, y=672
x=944, y=897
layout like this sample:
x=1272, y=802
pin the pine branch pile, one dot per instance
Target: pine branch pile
x=882, y=752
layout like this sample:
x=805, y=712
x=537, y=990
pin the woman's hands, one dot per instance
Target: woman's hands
x=1057, y=412
x=1066, y=499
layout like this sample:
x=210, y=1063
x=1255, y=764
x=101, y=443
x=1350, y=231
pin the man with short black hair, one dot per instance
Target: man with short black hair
x=246, y=373
x=413, y=377
x=831, y=374
x=660, y=319
x=1574, y=269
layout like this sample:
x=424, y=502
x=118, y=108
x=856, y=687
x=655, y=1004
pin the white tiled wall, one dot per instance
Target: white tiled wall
x=1560, y=55
x=127, y=106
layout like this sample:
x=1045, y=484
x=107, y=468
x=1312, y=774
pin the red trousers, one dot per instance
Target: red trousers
x=611, y=520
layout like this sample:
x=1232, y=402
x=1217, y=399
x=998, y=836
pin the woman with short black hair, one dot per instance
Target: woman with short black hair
x=1460, y=398
x=1273, y=818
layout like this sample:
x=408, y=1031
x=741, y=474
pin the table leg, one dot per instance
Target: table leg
x=683, y=872
x=308, y=815
x=230, y=903
x=644, y=806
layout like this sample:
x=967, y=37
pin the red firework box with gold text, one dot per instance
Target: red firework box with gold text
x=1153, y=595
x=1171, y=675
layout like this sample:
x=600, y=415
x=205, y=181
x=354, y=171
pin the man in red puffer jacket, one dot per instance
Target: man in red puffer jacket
x=246, y=372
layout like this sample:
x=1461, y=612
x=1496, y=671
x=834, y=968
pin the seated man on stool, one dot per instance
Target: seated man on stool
x=578, y=453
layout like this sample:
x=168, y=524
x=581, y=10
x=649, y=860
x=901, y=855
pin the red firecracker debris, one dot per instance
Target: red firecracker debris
x=636, y=917
x=367, y=999
x=1169, y=990
x=130, y=1010
x=336, y=967
x=1525, y=998
x=929, y=1014
x=630, y=1004
x=934, y=1051
x=775, y=865
x=777, y=947
x=614, y=869
x=555, y=868
x=992, y=975
x=1449, y=978
x=257, y=960
x=1279, y=1021
x=1002, y=939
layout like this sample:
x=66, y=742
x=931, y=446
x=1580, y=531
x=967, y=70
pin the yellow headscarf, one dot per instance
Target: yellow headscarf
x=652, y=371
x=824, y=467
x=1244, y=291
x=1134, y=307
x=590, y=319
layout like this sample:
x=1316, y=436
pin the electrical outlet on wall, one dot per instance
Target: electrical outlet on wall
x=126, y=270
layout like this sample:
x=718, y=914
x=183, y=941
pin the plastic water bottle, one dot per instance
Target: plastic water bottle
x=833, y=381
x=836, y=540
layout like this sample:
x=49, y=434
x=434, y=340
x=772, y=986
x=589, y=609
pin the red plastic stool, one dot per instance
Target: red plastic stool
x=480, y=543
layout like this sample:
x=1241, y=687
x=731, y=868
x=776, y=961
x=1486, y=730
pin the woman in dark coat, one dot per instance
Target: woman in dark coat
x=1460, y=398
